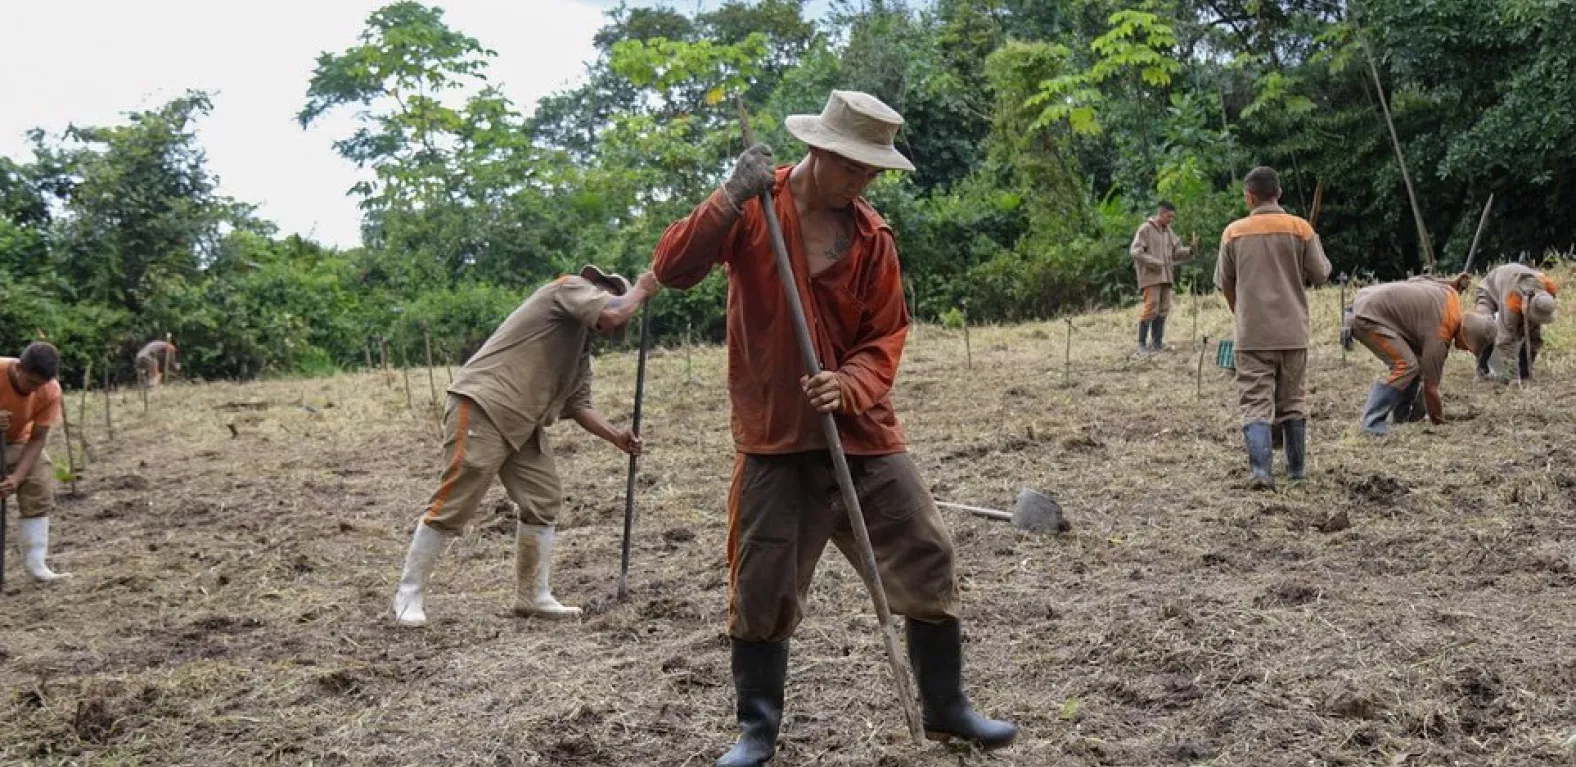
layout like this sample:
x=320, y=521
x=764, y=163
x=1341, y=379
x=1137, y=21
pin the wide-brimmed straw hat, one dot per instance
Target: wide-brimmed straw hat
x=614, y=283
x=855, y=125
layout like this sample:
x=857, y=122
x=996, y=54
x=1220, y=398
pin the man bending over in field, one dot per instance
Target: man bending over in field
x=30, y=403
x=534, y=369
x=1522, y=300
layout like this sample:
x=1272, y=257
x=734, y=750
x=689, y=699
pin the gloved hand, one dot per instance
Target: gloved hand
x=752, y=174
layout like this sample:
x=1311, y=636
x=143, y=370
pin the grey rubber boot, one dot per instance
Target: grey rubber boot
x=1296, y=449
x=1261, y=455
x=1381, y=400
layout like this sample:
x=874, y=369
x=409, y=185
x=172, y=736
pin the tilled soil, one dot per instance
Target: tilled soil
x=235, y=549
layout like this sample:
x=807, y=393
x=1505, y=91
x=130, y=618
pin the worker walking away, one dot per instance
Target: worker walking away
x=785, y=503
x=154, y=360
x=534, y=369
x=1410, y=326
x=1156, y=251
x=1267, y=262
x=30, y=405
x=1521, y=300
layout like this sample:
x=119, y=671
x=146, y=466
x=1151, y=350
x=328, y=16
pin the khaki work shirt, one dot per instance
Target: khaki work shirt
x=1425, y=313
x=536, y=367
x=1156, y=251
x=1504, y=289
x=1269, y=259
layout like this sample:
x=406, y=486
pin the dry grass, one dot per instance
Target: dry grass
x=1409, y=605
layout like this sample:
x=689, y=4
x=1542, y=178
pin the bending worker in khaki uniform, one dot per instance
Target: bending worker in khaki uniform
x=1515, y=295
x=1267, y=262
x=785, y=504
x=1410, y=326
x=30, y=404
x=534, y=369
x=152, y=360
x=1156, y=251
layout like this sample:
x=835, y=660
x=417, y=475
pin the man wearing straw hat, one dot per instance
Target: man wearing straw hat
x=784, y=505
x=1267, y=262
x=534, y=369
x=1522, y=300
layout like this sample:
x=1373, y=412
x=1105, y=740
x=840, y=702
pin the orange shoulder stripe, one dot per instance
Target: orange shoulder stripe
x=1450, y=324
x=1268, y=223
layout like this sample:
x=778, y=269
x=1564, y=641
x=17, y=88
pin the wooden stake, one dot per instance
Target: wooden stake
x=968, y=350
x=1067, y=356
x=432, y=383
x=404, y=366
x=1198, y=378
x=109, y=421
x=71, y=458
x=82, y=409
x=142, y=378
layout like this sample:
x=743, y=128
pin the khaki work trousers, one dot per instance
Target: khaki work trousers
x=1391, y=349
x=1270, y=386
x=473, y=453
x=36, y=494
x=1157, y=303
x=784, y=508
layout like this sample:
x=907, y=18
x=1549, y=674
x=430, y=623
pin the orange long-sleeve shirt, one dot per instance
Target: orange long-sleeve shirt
x=858, y=322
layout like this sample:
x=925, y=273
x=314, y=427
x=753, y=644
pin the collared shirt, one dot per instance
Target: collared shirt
x=855, y=309
x=1269, y=259
x=1425, y=313
x=1156, y=250
x=536, y=367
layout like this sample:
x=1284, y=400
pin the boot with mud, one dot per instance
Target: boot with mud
x=533, y=566
x=935, y=650
x=35, y=547
x=1296, y=434
x=1381, y=400
x=425, y=545
x=760, y=670
x=1261, y=455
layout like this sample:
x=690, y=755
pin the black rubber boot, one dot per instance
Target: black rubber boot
x=759, y=671
x=1157, y=334
x=1524, y=360
x=1143, y=336
x=935, y=650
x=1296, y=449
x=1411, y=408
x=1261, y=456
x=1381, y=400
x=1483, y=357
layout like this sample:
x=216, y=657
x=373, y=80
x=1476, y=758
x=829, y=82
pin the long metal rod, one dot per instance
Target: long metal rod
x=634, y=460
x=834, y=443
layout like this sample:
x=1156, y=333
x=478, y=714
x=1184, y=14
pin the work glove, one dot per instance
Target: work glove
x=752, y=174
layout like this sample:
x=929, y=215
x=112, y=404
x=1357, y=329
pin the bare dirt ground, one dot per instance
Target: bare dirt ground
x=1410, y=604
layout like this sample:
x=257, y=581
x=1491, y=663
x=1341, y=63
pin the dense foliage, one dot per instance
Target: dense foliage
x=1043, y=132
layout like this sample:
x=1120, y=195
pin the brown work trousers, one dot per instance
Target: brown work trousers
x=1157, y=303
x=474, y=452
x=784, y=508
x=36, y=494
x=1269, y=385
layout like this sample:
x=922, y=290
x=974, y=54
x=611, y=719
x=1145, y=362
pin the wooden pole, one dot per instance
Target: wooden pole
x=71, y=458
x=1400, y=158
x=1067, y=356
x=968, y=349
x=109, y=421
x=834, y=441
x=1198, y=378
x=142, y=378
x=404, y=366
x=432, y=382
x=1476, y=238
x=634, y=460
x=82, y=409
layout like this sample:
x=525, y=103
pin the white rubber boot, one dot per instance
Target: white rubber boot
x=425, y=546
x=533, y=567
x=35, y=547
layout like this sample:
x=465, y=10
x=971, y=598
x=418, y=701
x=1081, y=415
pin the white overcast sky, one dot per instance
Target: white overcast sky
x=87, y=61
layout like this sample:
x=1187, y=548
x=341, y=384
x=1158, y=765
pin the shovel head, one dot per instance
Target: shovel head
x=1037, y=512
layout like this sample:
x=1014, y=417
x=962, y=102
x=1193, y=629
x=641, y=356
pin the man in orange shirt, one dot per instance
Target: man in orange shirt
x=785, y=505
x=30, y=403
